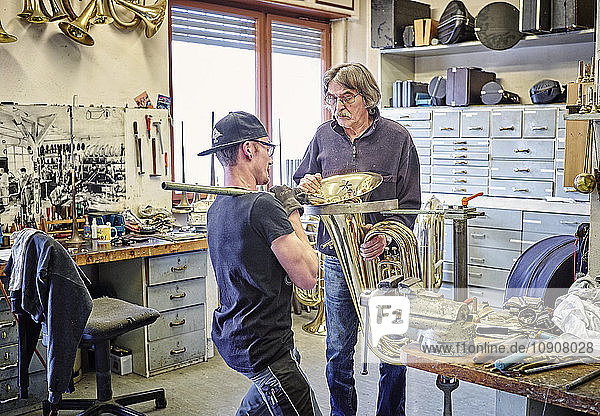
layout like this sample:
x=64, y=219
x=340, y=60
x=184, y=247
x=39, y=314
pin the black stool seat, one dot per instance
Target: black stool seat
x=112, y=317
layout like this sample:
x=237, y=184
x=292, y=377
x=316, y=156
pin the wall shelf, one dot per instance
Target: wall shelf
x=583, y=117
x=552, y=39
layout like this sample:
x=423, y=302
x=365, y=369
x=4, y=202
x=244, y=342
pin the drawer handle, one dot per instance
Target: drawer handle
x=177, y=296
x=569, y=222
x=521, y=169
x=460, y=162
x=177, y=323
x=179, y=269
x=6, y=367
x=539, y=128
x=12, y=399
x=459, y=190
x=522, y=150
x=461, y=142
x=507, y=128
x=475, y=274
x=406, y=124
x=404, y=116
x=474, y=235
x=520, y=189
x=179, y=351
x=447, y=128
x=460, y=148
x=475, y=128
x=476, y=292
x=7, y=324
x=570, y=189
x=459, y=180
x=477, y=259
x=459, y=156
x=459, y=172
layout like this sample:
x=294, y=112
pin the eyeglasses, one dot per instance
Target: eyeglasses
x=331, y=99
x=270, y=146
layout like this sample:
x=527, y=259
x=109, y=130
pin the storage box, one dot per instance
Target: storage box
x=425, y=30
x=121, y=360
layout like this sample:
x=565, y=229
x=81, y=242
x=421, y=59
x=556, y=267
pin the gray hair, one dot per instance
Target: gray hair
x=228, y=155
x=357, y=77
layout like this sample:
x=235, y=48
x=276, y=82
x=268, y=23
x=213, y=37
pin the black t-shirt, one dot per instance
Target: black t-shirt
x=252, y=327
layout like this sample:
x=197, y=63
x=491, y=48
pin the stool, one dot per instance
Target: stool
x=110, y=318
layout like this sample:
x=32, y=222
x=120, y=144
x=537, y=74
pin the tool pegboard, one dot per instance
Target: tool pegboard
x=37, y=157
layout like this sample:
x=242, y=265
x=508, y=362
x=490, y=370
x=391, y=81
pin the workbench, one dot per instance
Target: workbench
x=542, y=393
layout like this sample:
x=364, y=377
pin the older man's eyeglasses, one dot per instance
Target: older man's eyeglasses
x=331, y=99
x=270, y=146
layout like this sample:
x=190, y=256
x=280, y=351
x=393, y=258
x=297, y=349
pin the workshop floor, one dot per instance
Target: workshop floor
x=212, y=388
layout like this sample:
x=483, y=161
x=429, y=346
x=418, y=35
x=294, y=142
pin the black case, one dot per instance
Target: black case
x=456, y=24
x=535, y=16
x=463, y=85
x=390, y=17
x=492, y=93
x=437, y=90
x=572, y=14
x=410, y=90
x=546, y=91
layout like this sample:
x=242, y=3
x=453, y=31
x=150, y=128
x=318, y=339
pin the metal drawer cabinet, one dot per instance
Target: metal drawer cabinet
x=402, y=114
x=3, y=304
x=424, y=160
x=539, y=123
x=423, y=151
x=486, y=277
x=422, y=142
x=492, y=257
x=522, y=149
x=495, y=297
x=179, y=321
x=9, y=393
x=459, y=162
x=482, y=143
x=508, y=219
x=169, y=352
x=426, y=188
x=419, y=133
x=475, y=124
x=556, y=224
x=561, y=135
x=460, y=171
x=458, y=189
x=506, y=123
x=567, y=191
x=177, y=294
x=520, y=189
x=460, y=180
x=529, y=238
x=426, y=170
x=446, y=124
x=425, y=179
x=560, y=121
x=528, y=169
x=173, y=267
x=469, y=149
x=494, y=238
x=8, y=328
x=9, y=357
x=416, y=124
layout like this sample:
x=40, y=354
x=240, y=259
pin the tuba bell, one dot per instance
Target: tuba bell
x=78, y=29
x=6, y=37
x=152, y=16
x=27, y=10
x=38, y=14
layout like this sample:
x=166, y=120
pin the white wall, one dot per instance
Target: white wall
x=44, y=66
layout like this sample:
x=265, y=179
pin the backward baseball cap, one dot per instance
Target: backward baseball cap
x=235, y=128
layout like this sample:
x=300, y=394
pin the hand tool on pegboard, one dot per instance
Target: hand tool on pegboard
x=138, y=149
x=157, y=125
x=152, y=140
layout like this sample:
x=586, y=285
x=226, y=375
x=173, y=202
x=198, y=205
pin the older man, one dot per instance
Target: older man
x=358, y=139
x=258, y=249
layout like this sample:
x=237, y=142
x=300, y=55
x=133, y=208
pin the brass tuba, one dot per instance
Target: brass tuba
x=314, y=297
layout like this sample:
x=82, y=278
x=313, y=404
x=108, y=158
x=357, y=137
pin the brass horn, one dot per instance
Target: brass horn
x=78, y=29
x=152, y=16
x=58, y=11
x=6, y=37
x=27, y=9
x=39, y=14
x=118, y=21
x=102, y=16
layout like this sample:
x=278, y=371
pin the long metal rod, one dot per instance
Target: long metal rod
x=212, y=155
x=205, y=189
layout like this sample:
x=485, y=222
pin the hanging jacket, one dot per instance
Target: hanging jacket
x=53, y=295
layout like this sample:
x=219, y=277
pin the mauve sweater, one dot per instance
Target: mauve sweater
x=385, y=148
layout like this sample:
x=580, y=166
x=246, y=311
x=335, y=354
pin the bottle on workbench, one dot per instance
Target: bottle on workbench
x=87, y=231
x=94, y=229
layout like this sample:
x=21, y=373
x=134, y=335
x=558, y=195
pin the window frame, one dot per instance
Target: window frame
x=263, y=18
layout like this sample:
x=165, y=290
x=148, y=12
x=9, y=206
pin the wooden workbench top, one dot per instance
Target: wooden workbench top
x=100, y=253
x=543, y=387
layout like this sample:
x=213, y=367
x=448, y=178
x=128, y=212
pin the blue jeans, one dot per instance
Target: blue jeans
x=342, y=328
x=281, y=389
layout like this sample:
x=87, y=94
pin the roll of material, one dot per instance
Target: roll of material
x=503, y=363
x=492, y=93
x=497, y=26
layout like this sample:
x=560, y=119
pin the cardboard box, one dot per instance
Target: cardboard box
x=425, y=30
x=121, y=360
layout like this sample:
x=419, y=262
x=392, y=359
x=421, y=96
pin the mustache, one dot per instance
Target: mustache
x=342, y=114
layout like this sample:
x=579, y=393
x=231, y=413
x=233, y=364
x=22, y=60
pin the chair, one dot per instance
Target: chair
x=110, y=318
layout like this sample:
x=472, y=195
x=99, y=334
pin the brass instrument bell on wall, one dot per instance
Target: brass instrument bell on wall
x=152, y=16
x=78, y=29
x=6, y=37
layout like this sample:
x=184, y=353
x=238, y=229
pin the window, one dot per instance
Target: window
x=225, y=59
